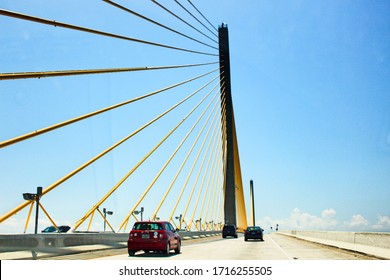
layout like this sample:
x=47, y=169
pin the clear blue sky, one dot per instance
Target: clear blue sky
x=311, y=93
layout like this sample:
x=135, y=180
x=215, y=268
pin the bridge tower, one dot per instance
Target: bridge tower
x=234, y=204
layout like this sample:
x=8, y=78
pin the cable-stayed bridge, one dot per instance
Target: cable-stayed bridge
x=121, y=111
x=119, y=114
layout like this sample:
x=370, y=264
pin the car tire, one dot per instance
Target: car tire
x=166, y=252
x=178, y=248
x=235, y=236
x=131, y=253
x=246, y=239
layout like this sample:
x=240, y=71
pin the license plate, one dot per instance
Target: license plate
x=145, y=236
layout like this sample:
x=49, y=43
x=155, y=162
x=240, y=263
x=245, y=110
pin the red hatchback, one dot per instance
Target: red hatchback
x=153, y=236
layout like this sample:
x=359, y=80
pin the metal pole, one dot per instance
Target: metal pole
x=105, y=215
x=252, y=203
x=38, y=195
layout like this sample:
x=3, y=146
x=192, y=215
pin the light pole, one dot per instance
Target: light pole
x=179, y=218
x=32, y=197
x=200, y=223
x=105, y=212
x=252, y=197
x=139, y=212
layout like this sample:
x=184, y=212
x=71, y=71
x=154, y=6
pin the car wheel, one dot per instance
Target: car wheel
x=235, y=236
x=178, y=248
x=166, y=252
x=131, y=253
x=246, y=239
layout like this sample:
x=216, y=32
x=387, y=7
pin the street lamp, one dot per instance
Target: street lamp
x=179, y=218
x=34, y=197
x=105, y=212
x=200, y=223
x=136, y=212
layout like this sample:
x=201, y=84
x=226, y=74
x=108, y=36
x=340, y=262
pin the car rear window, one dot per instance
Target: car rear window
x=147, y=226
x=254, y=228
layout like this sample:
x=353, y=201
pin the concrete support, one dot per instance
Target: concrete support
x=226, y=99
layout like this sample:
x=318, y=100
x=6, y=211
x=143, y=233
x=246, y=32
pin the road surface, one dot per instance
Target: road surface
x=274, y=247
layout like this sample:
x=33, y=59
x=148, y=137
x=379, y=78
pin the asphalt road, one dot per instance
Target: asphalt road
x=274, y=247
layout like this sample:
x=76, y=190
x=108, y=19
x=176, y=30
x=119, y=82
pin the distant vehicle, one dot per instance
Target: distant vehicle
x=254, y=233
x=229, y=230
x=153, y=236
x=61, y=229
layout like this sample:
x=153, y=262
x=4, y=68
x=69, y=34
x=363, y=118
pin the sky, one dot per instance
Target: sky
x=311, y=97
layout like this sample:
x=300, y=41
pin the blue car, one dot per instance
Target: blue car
x=53, y=229
x=229, y=230
x=254, y=232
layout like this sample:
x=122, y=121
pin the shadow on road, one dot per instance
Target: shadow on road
x=143, y=254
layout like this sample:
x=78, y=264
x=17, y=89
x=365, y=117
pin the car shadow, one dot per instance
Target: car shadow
x=143, y=254
x=254, y=240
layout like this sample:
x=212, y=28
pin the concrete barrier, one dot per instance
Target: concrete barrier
x=48, y=241
x=370, y=243
x=45, y=241
x=375, y=239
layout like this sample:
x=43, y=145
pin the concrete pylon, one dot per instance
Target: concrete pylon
x=234, y=204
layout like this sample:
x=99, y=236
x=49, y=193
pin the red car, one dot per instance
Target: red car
x=153, y=236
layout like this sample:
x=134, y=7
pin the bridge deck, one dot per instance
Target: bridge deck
x=274, y=247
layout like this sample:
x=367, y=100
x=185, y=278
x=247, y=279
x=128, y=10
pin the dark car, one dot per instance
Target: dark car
x=253, y=232
x=229, y=230
x=54, y=229
x=153, y=236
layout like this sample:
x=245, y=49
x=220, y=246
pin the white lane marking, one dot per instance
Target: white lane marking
x=283, y=251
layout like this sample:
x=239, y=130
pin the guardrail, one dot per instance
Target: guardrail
x=49, y=241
